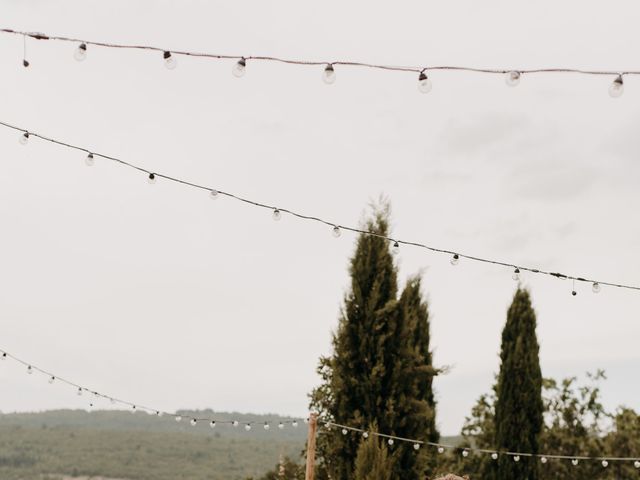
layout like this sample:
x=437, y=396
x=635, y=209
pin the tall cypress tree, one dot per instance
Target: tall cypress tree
x=380, y=372
x=519, y=407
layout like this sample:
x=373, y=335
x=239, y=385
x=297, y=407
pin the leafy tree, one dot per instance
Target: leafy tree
x=519, y=407
x=381, y=369
x=372, y=461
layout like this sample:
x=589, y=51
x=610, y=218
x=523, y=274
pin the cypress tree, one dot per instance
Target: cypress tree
x=372, y=461
x=380, y=372
x=519, y=407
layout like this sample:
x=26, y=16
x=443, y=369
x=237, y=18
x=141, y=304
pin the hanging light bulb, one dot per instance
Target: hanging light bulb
x=455, y=259
x=193, y=422
x=234, y=423
x=516, y=274
x=306, y=420
x=440, y=449
x=329, y=74
x=81, y=52
x=344, y=431
x=512, y=78
x=494, y=456
x=4, y=356
x=24, y=138
x=365, y=435
x=29, y=370
x=595, y=288
x=605, y=464
x=575, y=462
x=294, y=423
x=336, y=231
x=239, y=68
x=280, y=425
x=25, y=63
x=636, y=464
x=266, y=426
x=416, y=446
x=178, y=418
x=151, y=178
x=212, y=424
x=277, y=215
x=616, y=89
x=90, y=161
x=79, y=392
x=574, y=293
x=52, y=379
x=516, y=458
x=213, y=194
x=134, y=409
x=395, y=249
x=390, y=441
x=465, y=453
x=424, y=84
x=158, y=413
x=169, y=61
x=247, y=427
x=543, y=459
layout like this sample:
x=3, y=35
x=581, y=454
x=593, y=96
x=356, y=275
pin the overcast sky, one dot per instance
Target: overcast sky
x=159, y=295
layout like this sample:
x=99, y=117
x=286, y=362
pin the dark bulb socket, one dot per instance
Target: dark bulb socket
x=422, y=76
x=25, y=63
x=329, y=68
x=152, y=176
x=166, y=55
x=456, y=256
x=83, y=46
x=574, y=293
x=242, y=62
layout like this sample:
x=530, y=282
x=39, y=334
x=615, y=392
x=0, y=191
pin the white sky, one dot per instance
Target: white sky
x=159, y=295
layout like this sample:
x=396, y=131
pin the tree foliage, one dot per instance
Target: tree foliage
x=372, y=461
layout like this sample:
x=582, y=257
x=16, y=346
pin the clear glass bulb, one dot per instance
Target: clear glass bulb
x=336, y=231
x=390, y=441
x=616, y=89
x=440, y=449
x=267, y=426
x=29, y=370
x=212, y=424
x=636, y=464
x=329, y=75
x=416, y=446
x=158, y=413
x=365, y=434
x=79, y=392
x=24, y=138
x=193, y=422
x=512, y=78
x=395, y=249
x=605, y=464
x=494, y=456
x=455, y=259
x=516, y=458
x=277, y=215
x=178, y=418
x=151, y=178
x=239, y=68
x=294, y=424
x=543, y=459
x=90, y=161
x=424, y=84
x=595, y=288
x=516, y=275
x=465, y=453
x=247, y=427
x=4, y=356
x=81, y=52
x=213, y=194
x=575, y=462
x=234, y=423
x=344, y=431
x=170, y=61
x=52, y=379
x=281, y=425
x=134, y=409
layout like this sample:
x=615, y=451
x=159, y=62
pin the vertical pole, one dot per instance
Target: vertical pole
x=311, y=447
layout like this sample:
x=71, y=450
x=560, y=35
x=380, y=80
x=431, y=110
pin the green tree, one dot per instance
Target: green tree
x=372, y=461
x=519, y=407
x=381, y=369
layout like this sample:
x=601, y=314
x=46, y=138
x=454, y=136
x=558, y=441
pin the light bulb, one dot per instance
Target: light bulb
x=595, y=288
x=178, y=418
x=329, y=74
x=574, y=293
x=605, y=464
x=81, y=52
x=294, y=424
x=494, y=456
x=25, y=63
x=365, y=434
x=234, y=423
x=79, y=392
x=4, y=356
x=24, y=138
x=512, y=78
x=575, y=462
x=52, y=379
x=416, y=446
x=277, y=215
x=169, y=61
x=616, y=88
x=212, y=424
x=133, y=409
x=455, y=259
x=193, y=422
x=543, y=459
x=395, y=249
x=151, y=178
x=247, y=427
x=90, y=161
x=266, y=426
x=281, y=425
x=516, y=275
x=336, y=231
x=306, y=420
x=213, y=194
x=424, y=84
x=239, y=68
x=636, y=464
x=465, y=453
x=344, y=431
x=390, y=441
x=516, y=458
x=440, y=449
x=29, y=370
x=158, y=413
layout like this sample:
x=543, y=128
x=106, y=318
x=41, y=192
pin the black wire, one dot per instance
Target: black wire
x=320, y=220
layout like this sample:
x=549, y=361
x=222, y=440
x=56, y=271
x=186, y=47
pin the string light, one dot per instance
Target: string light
x=424, y=84
x=329, y=75
x=345, y=431
x=247, y=427
x=266, y=426
x=277, y=215
x=29, y=370
x=193, y=422
x=24, y=138
x=178, y=418
x=234, y=423
x=595, y=288
x=336, y=231
x=395, y=249
x=25, y=135
x=280, y=425
x=90, y=161
x=81, y=52
x=616, y=89
x=466, y=452
x=169, y=61
x=239, y=68
x=52, y=379
x=512, y=76
x=25, y=63
x=516, y=274
x=213, y=194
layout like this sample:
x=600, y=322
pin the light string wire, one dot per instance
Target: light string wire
x=442, y=447
x=337, y=228
x=80, y=389
x=350, y=63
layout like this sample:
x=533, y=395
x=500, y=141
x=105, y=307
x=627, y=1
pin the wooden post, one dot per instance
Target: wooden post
x=311, y=447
